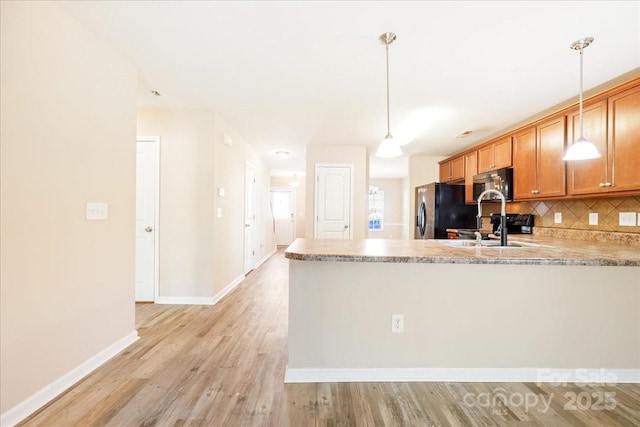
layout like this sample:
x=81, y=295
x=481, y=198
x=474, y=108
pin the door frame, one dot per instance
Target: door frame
x=248, y=165
x=292, y=191
x=156, y=215
x=316, y=183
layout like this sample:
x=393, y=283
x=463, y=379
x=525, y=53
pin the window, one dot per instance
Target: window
x=376, y=209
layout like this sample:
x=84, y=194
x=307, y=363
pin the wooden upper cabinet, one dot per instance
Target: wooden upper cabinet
x=452, y=170
x=524, y=164
x=589, y=176
x=470, y=169
x=624, y=140
x=495, y=155
x=551, y=137
x=538, y=168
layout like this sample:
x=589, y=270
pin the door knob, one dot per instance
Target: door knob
x=247, y=225
x=148, y=229
x=346, y=226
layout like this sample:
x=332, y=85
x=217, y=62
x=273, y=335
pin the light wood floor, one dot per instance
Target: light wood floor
x=224, y=365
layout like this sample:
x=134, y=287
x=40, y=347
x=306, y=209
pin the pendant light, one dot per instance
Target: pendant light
x=581, y=149
x=388, y=147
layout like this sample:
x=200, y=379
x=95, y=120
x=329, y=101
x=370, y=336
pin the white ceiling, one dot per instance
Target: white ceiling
x=287, y=74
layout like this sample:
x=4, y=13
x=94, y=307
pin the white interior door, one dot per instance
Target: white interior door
x=282, y=204
x=333, y=202
x=249, y=217
x=147, y=169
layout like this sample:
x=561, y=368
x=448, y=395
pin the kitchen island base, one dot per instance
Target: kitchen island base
x=462, y=322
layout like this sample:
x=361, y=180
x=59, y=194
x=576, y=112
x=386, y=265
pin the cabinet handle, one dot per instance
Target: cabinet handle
x=605, y=184
x=535, y=191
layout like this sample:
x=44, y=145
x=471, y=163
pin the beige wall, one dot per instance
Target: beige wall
x=230, y=164
x=345, y=155
x=200, y=254
x=186, y=199
x=394, y=221
x=68, y=107
x=283, y=182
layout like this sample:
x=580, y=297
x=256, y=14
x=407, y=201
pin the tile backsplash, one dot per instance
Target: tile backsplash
x=575, y=213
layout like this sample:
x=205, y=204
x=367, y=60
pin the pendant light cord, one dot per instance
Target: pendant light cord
x=388, y=120
x=581, y=124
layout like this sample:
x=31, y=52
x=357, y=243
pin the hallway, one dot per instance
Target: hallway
x=223, y=365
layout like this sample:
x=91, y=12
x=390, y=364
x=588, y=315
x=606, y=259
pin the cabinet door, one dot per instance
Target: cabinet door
x=585, y=176
x=445, y=172
x=470, y=169
x=502, y=153
x=485, y=158
x=624, y=140
x=551, y=175
x=524, y=164
x=457, y=168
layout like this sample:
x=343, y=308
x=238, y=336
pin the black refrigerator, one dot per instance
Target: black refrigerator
x=441, y=206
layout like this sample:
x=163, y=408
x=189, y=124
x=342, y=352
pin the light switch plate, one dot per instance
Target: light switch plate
x=557, y=218
x=627, y=219
x=97, y=211
x=220, y=192
x=219, y=212
x=593, y=218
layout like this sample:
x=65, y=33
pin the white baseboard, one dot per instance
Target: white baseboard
x=262, y=261
x=186, y=300
x=50, y=391
x=542, y=375
x=217, y=297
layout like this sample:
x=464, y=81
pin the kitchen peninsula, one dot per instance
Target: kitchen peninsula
x=469, y=313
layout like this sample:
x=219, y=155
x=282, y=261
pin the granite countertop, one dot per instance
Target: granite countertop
x=556, y=252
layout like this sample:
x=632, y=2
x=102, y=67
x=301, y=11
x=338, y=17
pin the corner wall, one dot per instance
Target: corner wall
x=68, y=113
x=422, y=170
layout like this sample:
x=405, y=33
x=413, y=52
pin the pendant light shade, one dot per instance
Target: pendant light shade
x=581, y=149
x=388, y=147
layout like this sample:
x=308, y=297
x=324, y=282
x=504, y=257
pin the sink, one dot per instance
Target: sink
x=490, y=244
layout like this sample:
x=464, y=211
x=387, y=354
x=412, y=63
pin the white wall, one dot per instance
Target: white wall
x=201, y=254
x=407, y=213
x=337, y=154
x=68, y=112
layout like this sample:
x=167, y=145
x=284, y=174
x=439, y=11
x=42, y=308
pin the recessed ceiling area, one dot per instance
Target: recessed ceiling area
x=289, y=74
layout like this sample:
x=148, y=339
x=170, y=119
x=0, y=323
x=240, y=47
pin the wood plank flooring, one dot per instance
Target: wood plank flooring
x=224, y=365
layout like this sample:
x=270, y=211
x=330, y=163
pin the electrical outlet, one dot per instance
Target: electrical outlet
x=397, y=323
x=627, y=219
x=557, y=218
x=593, y=218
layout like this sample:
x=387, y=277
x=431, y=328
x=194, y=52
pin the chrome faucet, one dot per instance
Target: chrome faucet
x=478, y=238
x=503, y=214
